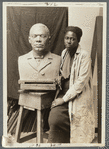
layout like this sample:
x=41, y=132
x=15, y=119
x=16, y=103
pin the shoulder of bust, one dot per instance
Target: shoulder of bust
x=27, y=55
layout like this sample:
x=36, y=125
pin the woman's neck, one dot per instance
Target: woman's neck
x=72, y=51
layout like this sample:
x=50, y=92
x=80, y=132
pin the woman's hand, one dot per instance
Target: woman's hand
x=57, y=102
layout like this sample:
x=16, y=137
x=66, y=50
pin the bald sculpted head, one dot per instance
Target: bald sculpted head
x=39, y=26
x=39, y=36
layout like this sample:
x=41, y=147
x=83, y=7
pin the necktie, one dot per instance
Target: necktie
x=65, y=65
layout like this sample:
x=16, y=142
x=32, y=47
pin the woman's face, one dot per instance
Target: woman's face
x=70, y=40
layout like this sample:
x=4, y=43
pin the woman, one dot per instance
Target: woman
x=71, y=119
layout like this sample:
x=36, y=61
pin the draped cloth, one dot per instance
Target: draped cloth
x=19, y=22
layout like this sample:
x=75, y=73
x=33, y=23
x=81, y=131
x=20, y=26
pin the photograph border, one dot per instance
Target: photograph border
x=104, y=89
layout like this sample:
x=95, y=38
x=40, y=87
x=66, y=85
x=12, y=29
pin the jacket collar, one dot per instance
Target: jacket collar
x=78, y=49
x=30, y=55
x=44, y=62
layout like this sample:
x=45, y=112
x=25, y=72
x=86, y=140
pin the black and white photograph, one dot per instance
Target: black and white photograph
x=54, y=74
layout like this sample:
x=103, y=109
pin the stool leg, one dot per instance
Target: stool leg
x=19, y=125
x=39, y=127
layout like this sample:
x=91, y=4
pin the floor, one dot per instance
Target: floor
x=27, y=138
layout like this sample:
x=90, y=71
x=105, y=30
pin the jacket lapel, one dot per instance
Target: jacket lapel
x=75, y=65
x=79, y=56
x=74, y=75
x=31, y=61
x=44, y=62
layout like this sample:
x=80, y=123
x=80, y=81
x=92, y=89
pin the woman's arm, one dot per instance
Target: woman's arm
x=79, y=84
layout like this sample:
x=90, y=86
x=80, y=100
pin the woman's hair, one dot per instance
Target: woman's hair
x=76, y=30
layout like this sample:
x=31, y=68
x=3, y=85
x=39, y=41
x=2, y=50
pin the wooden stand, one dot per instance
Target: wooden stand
x=33, y=100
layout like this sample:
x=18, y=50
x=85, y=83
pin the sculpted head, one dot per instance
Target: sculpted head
x=39, y=37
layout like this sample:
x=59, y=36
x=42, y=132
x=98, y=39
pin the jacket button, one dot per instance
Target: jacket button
x=42, y=73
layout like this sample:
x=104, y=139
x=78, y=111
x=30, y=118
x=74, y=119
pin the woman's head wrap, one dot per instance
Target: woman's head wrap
x=76, y=30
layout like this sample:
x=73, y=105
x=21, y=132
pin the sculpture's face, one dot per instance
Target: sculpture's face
x=70, y=40
x=39, y=38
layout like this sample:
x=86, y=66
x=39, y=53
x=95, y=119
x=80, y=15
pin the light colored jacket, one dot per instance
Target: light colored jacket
x=80, y=98
x=47, y=69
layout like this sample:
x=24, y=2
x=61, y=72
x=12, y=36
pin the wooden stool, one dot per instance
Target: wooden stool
x=33, y=100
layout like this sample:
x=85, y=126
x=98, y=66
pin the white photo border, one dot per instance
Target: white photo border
x=53, y=4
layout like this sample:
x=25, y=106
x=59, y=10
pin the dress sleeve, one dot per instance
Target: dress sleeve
x=77, y=87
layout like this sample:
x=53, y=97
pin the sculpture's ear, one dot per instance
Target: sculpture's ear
x=29, y=39
x=49, y=38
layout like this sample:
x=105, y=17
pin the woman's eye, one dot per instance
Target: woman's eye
x=73, y=39
x=67, y=38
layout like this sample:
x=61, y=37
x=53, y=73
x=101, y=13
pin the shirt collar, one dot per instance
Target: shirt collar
x=48, y=55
